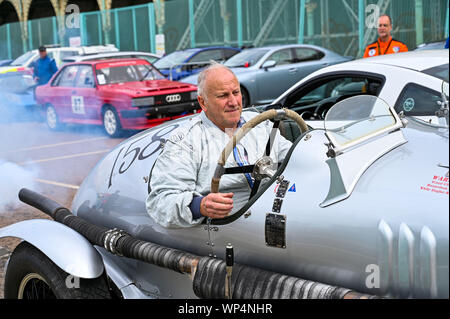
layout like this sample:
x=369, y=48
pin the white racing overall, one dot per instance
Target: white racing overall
x=187, y=163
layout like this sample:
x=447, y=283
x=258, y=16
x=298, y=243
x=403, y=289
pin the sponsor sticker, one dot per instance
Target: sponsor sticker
x=177, y=137
x=101, y=79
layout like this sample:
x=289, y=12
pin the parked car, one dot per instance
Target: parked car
x=5, y=62
x=410, y=82
x=431, y=46
x=17, y=95
x=196, y=59
x=150, y=57
x=58, y=53
x=265, y=73
x=116, y=93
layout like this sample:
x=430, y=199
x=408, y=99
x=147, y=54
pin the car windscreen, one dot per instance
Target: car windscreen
x=440, y=72
x=246, y=58
x=119, y=72
x=173, y=58
x=23, y=58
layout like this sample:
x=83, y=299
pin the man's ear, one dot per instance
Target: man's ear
x=201, y=101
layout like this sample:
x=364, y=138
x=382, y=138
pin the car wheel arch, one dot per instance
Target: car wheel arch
x=84, y=261
x=244, y=90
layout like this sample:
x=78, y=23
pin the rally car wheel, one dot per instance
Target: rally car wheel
x=111, y=122
x=52, y=118
x=32, y=275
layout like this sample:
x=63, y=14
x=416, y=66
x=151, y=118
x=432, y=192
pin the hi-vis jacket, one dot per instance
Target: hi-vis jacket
x=187, y=163
x=380, y=48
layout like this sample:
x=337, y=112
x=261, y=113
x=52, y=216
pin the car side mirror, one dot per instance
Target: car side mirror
x=268, y=64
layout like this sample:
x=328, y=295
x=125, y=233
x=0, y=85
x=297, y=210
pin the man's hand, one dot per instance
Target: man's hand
x=217, y=205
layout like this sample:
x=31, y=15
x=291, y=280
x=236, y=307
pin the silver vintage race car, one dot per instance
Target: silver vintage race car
x=359, y=208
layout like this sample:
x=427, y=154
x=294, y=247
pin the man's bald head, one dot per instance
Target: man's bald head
x=210, y=70
x=219, y=96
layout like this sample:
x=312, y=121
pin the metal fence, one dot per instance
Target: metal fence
x=343, y=26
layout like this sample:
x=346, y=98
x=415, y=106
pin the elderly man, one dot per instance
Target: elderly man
x=181, y=177
x=385, y=43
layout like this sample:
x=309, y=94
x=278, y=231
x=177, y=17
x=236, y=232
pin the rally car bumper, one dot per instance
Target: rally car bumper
x=166, y=110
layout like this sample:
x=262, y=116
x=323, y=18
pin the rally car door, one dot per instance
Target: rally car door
x=61, y=91
x=84, y=101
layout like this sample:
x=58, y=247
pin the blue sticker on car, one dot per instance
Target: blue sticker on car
x=292, y=189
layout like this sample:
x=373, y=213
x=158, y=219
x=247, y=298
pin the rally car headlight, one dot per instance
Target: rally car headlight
x=194, y=95
x=146, y=101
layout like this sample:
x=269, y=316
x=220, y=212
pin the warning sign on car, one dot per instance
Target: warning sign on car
x=438, y=185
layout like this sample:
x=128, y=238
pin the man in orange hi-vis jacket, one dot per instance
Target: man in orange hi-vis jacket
x=385, y=43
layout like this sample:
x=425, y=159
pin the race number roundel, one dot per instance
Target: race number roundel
x=78, y=105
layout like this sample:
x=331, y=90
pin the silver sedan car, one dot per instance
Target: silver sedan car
x=266, y=72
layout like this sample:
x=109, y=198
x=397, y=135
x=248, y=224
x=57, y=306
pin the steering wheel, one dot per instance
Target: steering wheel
x=323, y=106
x=262, y=167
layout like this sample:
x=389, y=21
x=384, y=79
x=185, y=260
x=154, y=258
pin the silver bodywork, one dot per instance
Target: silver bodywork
x=387, y=221
x=83, y=260
x=385, y=232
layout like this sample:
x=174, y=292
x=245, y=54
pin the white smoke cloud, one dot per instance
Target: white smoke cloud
x=13, y=178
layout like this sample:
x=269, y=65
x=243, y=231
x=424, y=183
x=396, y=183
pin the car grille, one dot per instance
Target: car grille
x=168, y=99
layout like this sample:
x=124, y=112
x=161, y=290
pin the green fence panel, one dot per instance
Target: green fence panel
x=4, y=42
x=93, y=29
x=143, y=30
x=124, y=25
x=17, y=48
x=176, y=26
x=403, y=14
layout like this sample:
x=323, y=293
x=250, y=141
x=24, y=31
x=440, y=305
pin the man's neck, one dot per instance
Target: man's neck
x=385, y=39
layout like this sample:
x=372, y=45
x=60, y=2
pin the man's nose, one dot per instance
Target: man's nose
x=233, y=100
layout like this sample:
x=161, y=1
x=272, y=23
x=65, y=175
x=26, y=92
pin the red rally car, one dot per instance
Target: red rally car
x=116, y=93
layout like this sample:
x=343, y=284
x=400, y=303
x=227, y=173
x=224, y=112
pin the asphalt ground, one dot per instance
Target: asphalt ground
x=51, y=163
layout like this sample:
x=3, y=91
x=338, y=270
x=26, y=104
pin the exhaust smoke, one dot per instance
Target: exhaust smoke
x=12, y=178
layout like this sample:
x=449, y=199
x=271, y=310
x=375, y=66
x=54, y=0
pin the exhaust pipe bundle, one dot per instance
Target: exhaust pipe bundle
x=209, y=274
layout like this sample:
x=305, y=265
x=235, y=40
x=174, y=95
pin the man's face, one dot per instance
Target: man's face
x=222, y=99
x=42, y=54
x=384, y=27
